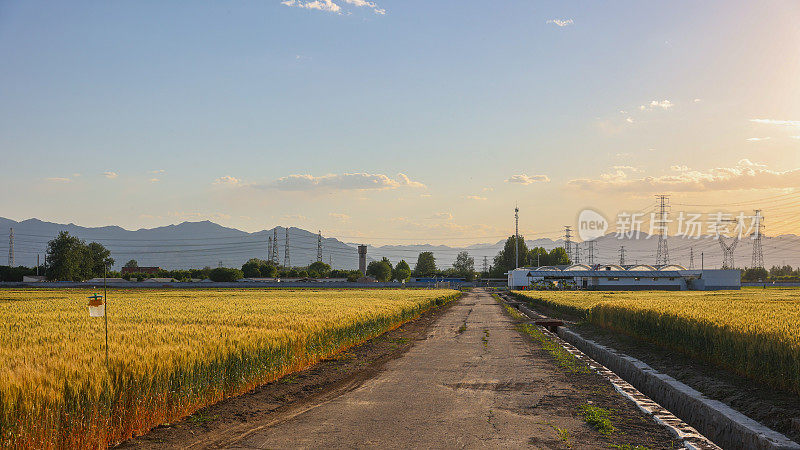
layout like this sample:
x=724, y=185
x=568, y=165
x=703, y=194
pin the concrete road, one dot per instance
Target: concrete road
x=471, y=383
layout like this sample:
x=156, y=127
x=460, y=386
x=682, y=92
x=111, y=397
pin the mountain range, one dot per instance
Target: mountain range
x=200, y=244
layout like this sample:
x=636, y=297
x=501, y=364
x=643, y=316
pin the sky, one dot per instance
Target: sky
x=396, y=121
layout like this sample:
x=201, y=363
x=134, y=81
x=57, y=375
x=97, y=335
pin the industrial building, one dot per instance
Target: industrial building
x=615, y=277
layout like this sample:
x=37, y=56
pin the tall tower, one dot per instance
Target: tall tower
x=362, y=259
x=589, y=252
x=621, y=255
x=485, y=264
x=727, y=252
x=662, y=255
x=269, y=248
x=577, y=254
x=274, y=256
x=691, y=258
x=568, y=242
x=758, y=251
x=286, y=261
x=319, y=246
x=516, y=237
x=11, y=262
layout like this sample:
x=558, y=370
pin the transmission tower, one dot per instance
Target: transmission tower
x=269, y=248
x=516, y=236
x=319, y=246
x=662, y=255
x=621, y=255
x=286, y=260
x=485, y=264
x=577, y=254
x=589, y=252
x=691, y=258
x=11, y=262
x=758, y=251
x=568, y=242
x=727, y=252
x=274, y=255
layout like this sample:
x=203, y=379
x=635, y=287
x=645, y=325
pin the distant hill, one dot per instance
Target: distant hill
x=199, y=244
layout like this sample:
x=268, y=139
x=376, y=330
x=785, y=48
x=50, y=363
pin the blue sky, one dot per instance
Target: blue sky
x=255, y=114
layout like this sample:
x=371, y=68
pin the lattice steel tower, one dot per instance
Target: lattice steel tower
x=319, y=246
x=485, y=264
x=589, y=245
x=662, y=254
x=269, y=248
x=286, y=260
x=691, y=258
x=577, y=254
x=11, y=261
x=621, y=255
x=274, y=256
x=568, y=242
x=758, y=251
x=516, y=237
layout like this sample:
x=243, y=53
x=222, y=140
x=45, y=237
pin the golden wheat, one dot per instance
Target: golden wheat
x=171, y=352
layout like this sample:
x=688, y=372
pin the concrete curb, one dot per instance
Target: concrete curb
x=719, y=422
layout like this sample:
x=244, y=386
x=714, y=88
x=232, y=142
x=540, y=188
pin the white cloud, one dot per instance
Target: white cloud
x=629, y=120
x=157, y=171
x=154, y=180
x=756, y=139
x=442, y=216
x=795, y=137
x=525, y=179
x=679, y=168
x=341, y=217
x=344, y=181
x=331, y=6
x=58, y=180
x=663, y=104
x=697, y=100
x=227, y=180
x=474, y=197
x=744, y=175
x=110, y=175
x=294, y=217
x=560, y=22
x=363, y=3
x=783, y=123
x=488, y=189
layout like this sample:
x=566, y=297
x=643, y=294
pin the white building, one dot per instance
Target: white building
x=614, y=277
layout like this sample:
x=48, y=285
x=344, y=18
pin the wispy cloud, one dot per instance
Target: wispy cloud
x=475, y=197
x=110, y=175
x=157, y=171
x=341, y=217
x=331, y=6
x=783, y=123
x=697, y=100
x=756, y=139
x=155, y=180
x=629, y=119
x=560, y=22
x=526, y=179
x=442, y=216
x=227, y=180
x=344, y=181
x=744, y=175
x=58, y=180
x=663, y=104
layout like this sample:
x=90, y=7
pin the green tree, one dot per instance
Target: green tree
x=132, y=264
x=538, y=256
x=464, y=266
x=98, y=259
x=558, y=257
x=222, y=274
x=268, y=270
x=319, y=269
x=66, y=257
x=426, y=265
x=380, y=270
x=402, y=271
x=755, y=274
x=506, y=258
x=252, y=268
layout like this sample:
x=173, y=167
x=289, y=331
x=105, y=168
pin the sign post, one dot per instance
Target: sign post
x=97, y=308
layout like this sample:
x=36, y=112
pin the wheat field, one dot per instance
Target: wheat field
x=171, y=352
x=754, y=332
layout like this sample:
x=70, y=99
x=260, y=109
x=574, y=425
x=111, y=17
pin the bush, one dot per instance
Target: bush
x=225, y=274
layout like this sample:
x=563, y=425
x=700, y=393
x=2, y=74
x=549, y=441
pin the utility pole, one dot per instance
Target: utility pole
x=516, y=237
x=11, y=262
x=758, y=251
x=319, y=246
x=286, y=260
x=621, y=255
x=274, y=256
x=662, y=255
x=691, y=258
x=485, y=264
x=568, y=242
x=37, y=264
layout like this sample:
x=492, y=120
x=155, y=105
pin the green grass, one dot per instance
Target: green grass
x=597, y=418
x=563, y=358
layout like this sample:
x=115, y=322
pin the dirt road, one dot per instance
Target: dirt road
x=475, y=381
